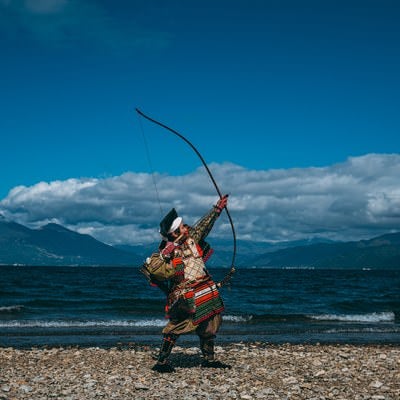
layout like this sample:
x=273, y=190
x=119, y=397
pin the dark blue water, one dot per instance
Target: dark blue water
x=97, y=306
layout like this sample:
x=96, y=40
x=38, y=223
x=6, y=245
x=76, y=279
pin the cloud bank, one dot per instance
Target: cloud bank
x=355, y=199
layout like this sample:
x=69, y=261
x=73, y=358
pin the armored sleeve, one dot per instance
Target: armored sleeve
x=203, y=227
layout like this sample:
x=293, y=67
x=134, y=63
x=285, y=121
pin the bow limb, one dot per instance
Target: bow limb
x=232, y=270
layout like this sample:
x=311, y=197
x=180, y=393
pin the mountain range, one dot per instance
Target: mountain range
x=377, y=253
x=55, y=245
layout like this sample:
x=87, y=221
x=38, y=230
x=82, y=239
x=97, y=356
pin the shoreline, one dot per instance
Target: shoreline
x=259, y=371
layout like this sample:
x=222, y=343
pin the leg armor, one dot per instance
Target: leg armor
x=166, y=348
x=207, y=331
x=207, y=347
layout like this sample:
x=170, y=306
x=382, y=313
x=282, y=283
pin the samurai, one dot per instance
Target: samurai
x=193, y=301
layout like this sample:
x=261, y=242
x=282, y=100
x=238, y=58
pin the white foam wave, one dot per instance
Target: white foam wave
x=392, y=329
x=11, y=308
x=237, y=318
x=371, y=317
x=103, y=323
x=82, y=324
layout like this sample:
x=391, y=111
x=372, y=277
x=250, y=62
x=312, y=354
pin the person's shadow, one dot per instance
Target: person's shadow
x=181, y=360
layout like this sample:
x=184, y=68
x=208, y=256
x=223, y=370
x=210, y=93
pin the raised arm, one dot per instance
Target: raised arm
x=203, y=227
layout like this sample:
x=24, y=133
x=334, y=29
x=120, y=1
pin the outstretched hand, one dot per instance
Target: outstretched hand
x=221, y=203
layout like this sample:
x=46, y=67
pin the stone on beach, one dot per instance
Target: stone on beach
x=259, y=371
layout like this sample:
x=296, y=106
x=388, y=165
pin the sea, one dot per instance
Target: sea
x=115, y=306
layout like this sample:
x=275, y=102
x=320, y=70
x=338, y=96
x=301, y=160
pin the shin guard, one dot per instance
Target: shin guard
x=166, y=347
x=207, y=348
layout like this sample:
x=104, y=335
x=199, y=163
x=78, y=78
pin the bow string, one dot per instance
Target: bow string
x=232, y=269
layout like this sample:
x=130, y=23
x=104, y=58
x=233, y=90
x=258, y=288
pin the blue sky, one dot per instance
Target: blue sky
x=272, y=93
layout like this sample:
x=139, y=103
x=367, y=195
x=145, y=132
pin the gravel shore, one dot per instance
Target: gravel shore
x=259, y=371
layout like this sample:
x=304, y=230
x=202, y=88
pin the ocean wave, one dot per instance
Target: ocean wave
x=11, y=309
x=392, y=329
x=82, y=324
x=150, y=322
x=237, y=318
x=371, y=317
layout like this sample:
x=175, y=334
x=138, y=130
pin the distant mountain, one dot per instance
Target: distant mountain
x=223, y=249
x=380, y=252
x=140, y=250
x=53, y=244
x=248, y=250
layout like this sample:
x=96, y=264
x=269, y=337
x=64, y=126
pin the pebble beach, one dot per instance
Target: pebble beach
x=259, y=371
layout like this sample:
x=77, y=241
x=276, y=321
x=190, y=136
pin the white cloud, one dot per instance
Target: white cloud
x=356, y=199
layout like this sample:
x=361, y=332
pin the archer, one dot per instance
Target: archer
x=193, y=300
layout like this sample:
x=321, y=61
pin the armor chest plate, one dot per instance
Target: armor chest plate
x=191, y=256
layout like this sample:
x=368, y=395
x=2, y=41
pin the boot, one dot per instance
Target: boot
x=207, y=349
x=162, y=364
x=163, y=367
